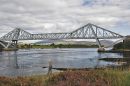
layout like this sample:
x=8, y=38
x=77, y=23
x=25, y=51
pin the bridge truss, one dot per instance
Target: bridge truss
x=89, y=31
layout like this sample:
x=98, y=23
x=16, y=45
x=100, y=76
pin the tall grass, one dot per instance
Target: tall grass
x=90, y=78
x=106, y=77
x=22, y=81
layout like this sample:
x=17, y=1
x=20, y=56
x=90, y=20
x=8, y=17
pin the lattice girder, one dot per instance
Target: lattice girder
x=89, y=31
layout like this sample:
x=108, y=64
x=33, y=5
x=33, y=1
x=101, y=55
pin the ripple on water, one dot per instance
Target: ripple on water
x=30, y=62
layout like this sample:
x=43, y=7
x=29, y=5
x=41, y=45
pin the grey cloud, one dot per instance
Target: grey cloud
x=61, y=15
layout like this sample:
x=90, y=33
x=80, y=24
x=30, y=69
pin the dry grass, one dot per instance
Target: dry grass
x=73, y=78
x=22, y=81
x=88, y=78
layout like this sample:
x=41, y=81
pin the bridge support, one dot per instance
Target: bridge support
x=101, y=49
x=15, y=42
x=12, y=46
x=89, y=31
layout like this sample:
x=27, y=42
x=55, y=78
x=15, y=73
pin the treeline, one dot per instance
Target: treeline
x=24, y=46
x=57, y=46
x=122, y=45
x=73, y=46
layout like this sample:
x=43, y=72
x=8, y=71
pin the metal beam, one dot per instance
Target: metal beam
x=84, y=32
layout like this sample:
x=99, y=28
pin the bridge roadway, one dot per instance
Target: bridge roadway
x=89, y=31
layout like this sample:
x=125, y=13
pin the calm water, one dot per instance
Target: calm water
x=30, y=62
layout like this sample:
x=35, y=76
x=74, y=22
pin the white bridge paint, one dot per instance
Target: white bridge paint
x=89, y=31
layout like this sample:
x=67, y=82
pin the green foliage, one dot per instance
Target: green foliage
x=52, y=44
x=58, y=46
x=118, y=46
x=127, y=44
x=121, y=45
x=24, y=46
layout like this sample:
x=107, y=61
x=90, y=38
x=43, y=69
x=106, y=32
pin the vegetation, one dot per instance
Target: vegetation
x=73, y=78
x=22, y=81
x=24, y=46
x=122, y=45
x=118, y=46
x=57, y=46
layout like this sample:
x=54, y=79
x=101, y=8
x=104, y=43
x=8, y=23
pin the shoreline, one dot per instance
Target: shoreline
x=115, y=51
x=69, y=78
x=106, y=51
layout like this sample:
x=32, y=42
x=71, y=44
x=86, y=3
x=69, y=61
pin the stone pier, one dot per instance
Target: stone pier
x=101, y=49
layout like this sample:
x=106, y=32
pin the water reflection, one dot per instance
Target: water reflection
x=29, y=62
x=13, y=62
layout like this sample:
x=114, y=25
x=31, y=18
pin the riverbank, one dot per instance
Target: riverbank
x=127, y=59
x=58, y=46
x=107, y=77
x=10, y=49
x=116, y=51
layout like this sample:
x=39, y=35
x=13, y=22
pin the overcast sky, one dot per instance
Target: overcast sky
x=40, y=16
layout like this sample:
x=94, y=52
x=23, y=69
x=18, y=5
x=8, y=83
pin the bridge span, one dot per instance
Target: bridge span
x=88, y=31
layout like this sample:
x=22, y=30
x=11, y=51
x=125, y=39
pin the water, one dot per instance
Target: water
x=30, y=62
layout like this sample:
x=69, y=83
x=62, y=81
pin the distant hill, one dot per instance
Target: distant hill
x=46, y=42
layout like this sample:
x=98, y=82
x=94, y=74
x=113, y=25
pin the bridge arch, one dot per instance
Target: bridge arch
x=116, y=42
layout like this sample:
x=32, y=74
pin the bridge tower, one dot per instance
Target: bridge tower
x=15, y=43
x=100, y=49
x=88, y=31
x=15, y=38
x=12, y=41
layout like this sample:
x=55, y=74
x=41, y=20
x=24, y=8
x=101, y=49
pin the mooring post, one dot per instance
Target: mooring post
x=49, y=67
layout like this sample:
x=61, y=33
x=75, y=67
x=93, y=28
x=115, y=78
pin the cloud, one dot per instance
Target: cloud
x=39, y=16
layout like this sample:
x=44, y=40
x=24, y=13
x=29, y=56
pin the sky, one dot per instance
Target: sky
x=43, y=16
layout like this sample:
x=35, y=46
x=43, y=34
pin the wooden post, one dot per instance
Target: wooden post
x=49, y=67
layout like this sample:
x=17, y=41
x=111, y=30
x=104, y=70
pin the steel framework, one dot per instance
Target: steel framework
x=89, y=31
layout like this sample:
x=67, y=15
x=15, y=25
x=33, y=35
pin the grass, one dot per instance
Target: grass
x=90, y=78
x=107, y=77
x=22, y=81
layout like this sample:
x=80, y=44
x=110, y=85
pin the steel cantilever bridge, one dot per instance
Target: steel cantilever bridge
x=89, y=31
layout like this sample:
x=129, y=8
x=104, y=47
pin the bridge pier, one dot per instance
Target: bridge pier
x=101, y=49
x=11, y=46
x=15, y=42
